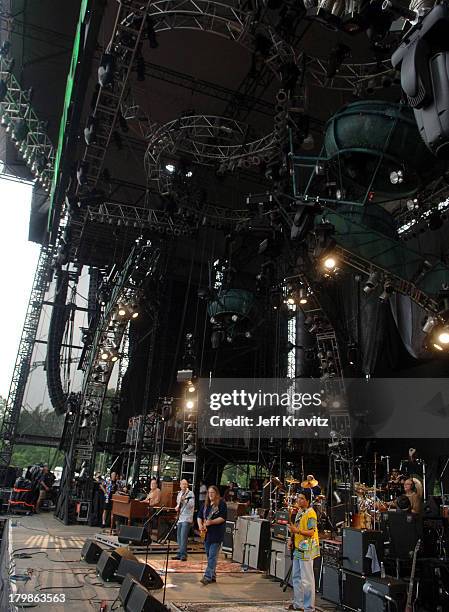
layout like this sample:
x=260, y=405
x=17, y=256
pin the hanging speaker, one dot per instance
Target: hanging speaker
x=91, y=552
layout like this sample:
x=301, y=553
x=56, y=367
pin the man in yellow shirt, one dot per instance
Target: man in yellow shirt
x=306, y=547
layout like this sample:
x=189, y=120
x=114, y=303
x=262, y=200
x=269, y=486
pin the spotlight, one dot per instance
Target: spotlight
x=396, y=177
x=190, y=404
x=191, y=388
x=170, y=168
x=106, y=70
x=20, y=131
x=330, y=263
x=291, y=301
x=3, y=90
x=234, y=318
x=371, y=283
x=412, y=204
x=109, y=354
x=387, y=292
x=443, y=335
x=303, y=296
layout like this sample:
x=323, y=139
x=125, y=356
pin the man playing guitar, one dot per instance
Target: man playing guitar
x=185, y=506
x=306, y=547
x=211, y=523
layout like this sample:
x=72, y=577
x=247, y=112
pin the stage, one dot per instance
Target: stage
x=51, y=565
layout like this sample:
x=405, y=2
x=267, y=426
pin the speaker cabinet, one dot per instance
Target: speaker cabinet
x=252, y=542
x=228, y=539
x=331, y=584
x=396, y=589
x=280, y=559
x=140, y=600
x=356, y=543
x=352, y=590
x=91, y=552
x=143, y=572
x=130, y=534
x=107, y=565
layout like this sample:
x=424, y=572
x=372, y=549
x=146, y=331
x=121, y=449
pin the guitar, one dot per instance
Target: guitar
x=184, y=498
x=213, y=515
x=408, y=605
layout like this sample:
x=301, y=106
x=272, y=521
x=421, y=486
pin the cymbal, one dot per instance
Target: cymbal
x=292, y=481
x=309, y=484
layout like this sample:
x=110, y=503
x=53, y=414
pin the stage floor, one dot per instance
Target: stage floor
x=52, y=566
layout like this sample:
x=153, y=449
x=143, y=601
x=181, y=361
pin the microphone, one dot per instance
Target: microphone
x=369, y=589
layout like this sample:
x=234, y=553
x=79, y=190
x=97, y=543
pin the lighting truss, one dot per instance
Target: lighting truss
x=205, y=139
x=349, y=77
x=36, y=148
x=23, y=360
x=84, y=429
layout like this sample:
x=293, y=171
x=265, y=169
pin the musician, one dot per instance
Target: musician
x=109, y=488
x=411, y=491
x=154, y=496
x=212, y=521
x=185, y=507
x=306, y=547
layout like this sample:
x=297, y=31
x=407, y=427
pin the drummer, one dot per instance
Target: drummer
x=312, y=484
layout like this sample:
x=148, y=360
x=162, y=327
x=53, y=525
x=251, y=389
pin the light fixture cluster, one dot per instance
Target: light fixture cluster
x=109, y=353
x=127, y=309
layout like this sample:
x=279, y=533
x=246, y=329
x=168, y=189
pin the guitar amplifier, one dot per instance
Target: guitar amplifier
x=356, y=544
x=281, y=517
x=279, y=531
x=352, y=590
x=280, y=559
x=331, y=551
x=396, y=589
x=251, y=542
x=228, y=540
x=331, y=583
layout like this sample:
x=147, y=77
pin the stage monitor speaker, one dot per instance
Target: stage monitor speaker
x=352, y=590
x=126, y=588
x=91, y=552
x=331, y=584
x=163, y=527
x=107, y=565
x=374, y=597
x=140, y=600
x=130, y=534
x=143, y=572
x=109, y=561
x=356, y=544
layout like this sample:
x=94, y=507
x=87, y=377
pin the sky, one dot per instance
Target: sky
x=18, y=258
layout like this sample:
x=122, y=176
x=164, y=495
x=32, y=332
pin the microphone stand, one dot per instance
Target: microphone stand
x=149, y=519
x=163, y=541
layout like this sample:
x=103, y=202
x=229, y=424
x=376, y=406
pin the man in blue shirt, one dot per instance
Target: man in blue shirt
x=211, y=523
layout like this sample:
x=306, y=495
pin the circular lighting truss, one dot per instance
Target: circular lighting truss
x=206, y=140
x=224, y=19
x=350, y=77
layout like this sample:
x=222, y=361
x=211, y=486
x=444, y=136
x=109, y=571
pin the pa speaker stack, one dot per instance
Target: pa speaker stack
x=136, y=598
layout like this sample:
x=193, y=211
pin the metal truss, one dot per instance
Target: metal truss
x=35, y=147
x=205, y=139
x=23, y=360
x=349, y=77
x=83, y=428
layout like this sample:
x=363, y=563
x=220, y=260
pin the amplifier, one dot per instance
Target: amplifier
x=402, y=530
x=356, y=544
x=352, y=590
x=252, y=542
x=374, y=597
x=280, y=559
x=228, y=539
x=331, y=583
x=281, y=532
x=281, y=517
x=331, y=552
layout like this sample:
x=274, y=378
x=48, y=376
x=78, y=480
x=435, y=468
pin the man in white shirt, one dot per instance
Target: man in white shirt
x=185, y=507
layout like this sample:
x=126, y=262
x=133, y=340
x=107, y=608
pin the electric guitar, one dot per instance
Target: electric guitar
x=408, y=605
x=184, y=498
x=213, y=515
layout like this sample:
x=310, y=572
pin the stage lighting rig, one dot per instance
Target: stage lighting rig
x=90, y=131
x=371, y=283
x=106, y=70
x=388, y=290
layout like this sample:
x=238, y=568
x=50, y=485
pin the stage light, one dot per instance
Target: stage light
x=104, y=355
x=3, y=90
x=20, y=131
x=291, y=301
x=303, y=296
x=234, y=318
x=248, y=334
x=190, y=404
x=371, y=283
x=387, y=292
x=412, y=204
x=189, y=174
x=191, y=388
x=396, y=177
x=90, y=131
x=443, y=335
x=106, y=70
x=170, y=168
x=330, y=263
x=122, y=310
x=429, y=324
